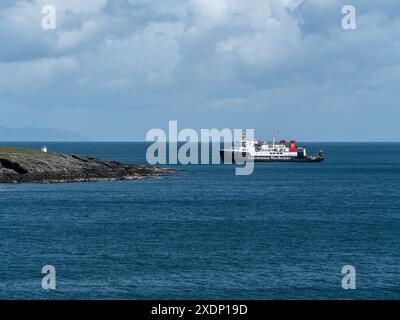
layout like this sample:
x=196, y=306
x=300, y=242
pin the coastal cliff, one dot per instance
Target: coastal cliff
x=19, y=166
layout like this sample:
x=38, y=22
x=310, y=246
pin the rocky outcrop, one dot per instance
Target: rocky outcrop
x=18, y=166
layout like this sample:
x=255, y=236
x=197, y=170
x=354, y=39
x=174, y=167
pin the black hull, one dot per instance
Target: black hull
x=230, y=158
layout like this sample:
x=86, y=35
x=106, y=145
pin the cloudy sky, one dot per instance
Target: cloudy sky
x=113, y=69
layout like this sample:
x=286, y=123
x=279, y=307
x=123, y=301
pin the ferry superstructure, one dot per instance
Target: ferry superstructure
x=260, y=151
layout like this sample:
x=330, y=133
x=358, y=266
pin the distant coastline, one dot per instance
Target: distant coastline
x=36, y=134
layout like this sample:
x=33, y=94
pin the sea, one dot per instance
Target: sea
x=284, y=232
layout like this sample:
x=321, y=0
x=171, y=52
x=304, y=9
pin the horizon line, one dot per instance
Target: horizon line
x=179, y=141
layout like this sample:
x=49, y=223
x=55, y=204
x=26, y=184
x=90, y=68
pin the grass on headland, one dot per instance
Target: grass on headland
x=9, y=150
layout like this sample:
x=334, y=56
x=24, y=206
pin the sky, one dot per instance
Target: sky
x=114, y=69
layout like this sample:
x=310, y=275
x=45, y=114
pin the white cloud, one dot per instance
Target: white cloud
x=74, y=6
x=214, y=54
x=23, y=77
x=70, y=39
x=254, y=37
x=213, y=11
x=146, y=58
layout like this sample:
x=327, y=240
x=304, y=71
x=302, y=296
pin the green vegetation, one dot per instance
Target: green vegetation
x=10, y=150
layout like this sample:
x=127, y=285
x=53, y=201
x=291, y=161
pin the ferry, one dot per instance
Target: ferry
x=260, y=151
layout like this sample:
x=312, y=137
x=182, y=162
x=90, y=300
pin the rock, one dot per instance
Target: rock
x=17, y=166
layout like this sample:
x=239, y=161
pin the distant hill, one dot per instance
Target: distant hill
x=39, y=134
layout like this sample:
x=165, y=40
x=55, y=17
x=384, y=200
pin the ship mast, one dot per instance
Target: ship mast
x=273, y=139
x=244, y=135
x=244, y=138
x=275, y=132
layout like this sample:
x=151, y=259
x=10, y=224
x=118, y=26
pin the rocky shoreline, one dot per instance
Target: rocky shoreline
x=28, y=166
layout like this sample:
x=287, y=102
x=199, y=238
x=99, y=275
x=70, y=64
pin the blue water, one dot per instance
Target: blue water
x=283, y=232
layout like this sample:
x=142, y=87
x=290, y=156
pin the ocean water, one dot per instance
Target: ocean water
x=284, y=232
